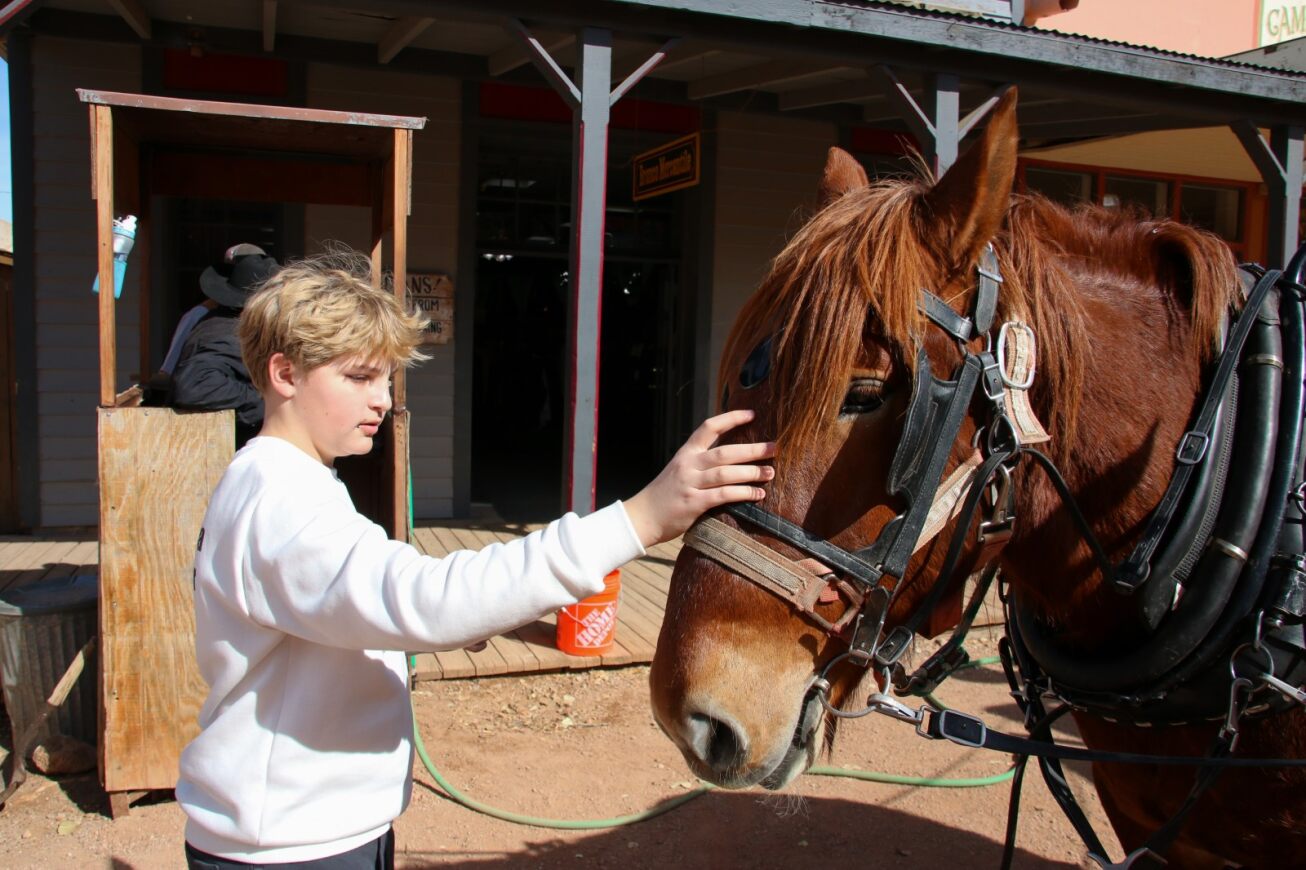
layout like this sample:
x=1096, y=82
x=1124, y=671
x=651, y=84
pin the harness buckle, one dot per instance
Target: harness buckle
x=955, y=727
x=934, y=671
x=992, y=377
x=1192, y=447
x=866, y=632
x=997, y=528
x=892, y=647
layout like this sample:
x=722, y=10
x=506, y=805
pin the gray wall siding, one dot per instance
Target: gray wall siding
x=432, y=243
x=767, y=175
x=67, y=357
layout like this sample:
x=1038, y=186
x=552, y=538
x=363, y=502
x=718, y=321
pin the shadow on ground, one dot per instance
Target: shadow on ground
x=723, y=829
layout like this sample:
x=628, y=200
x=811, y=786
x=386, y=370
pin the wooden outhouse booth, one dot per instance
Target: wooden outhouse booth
x=158, y=466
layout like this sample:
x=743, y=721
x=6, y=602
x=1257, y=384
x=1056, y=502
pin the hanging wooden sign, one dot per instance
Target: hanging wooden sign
x=673, y=166
x=432, y=294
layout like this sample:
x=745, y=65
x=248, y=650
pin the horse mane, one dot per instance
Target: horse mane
x=865, y=255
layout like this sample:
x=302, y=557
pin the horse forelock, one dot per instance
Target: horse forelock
x=866, y=255
x=859, y=256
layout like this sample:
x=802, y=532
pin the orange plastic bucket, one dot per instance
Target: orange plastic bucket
x=588, y=627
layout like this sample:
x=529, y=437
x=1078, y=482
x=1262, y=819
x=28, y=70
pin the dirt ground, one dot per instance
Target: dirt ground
x=582, y=746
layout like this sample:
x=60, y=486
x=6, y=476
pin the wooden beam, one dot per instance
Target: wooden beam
x=1267, y=162
x=544, y=62
x=856, y=91
x=269, y=24
x=399, y=36
x=1051, y=130
x=508, y=59
x=642, y=70
x=909, y=111
x=403, y=198
x=134, y=14
x=103, y=145
x=690, y=51
x=757, y=76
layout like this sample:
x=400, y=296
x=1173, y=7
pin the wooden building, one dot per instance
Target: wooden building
x=521, y=405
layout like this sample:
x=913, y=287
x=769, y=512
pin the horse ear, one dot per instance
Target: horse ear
x=971, y=199
x=842, y=174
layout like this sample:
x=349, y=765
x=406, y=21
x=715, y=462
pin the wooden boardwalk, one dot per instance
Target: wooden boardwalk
x=531, y=647
x=27, y=559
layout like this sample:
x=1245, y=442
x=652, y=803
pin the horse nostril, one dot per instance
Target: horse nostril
x=716, y=742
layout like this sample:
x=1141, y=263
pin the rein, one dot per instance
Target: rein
x=1189, y=648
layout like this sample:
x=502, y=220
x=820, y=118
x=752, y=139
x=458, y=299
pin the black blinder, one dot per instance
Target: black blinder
x=757, y=366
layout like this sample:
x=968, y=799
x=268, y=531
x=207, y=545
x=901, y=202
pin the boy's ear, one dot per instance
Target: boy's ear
x=282, y=375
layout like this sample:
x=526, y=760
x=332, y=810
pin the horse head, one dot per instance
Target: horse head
x=834, y=353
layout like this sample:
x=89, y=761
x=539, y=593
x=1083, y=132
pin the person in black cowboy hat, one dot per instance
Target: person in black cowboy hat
x=210, y=374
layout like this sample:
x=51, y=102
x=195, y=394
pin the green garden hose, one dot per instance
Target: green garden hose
x=593, y=824
x=617, y=821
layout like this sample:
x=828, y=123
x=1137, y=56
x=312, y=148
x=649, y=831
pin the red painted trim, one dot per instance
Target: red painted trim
x=871, y=140
x=225, y=73
x=525, y=103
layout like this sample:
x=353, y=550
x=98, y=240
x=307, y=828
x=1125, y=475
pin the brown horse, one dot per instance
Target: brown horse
x=1128, y=313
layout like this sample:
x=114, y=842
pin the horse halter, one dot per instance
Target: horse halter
x=869, y=578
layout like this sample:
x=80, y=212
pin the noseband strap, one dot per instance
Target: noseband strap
x=806, y=582
x=790, y=579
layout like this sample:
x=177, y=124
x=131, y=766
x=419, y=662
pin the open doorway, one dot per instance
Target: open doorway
x=192, y=235
x=519, y=402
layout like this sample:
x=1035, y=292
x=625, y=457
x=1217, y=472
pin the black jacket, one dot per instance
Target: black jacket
x=210, y=374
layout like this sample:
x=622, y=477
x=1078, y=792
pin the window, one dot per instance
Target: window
x=1214, y=207
x=1062, y=185
x=1152, y=195
x=1220, y=208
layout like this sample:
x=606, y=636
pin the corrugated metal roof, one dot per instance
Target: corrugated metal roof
x=995, y=24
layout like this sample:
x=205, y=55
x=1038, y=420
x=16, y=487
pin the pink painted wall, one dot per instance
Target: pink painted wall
x=1210, y=28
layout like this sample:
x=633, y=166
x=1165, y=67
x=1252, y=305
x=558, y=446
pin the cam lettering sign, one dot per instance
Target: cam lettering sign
x=1282, y=21
x=432, y=294
x=673, y=166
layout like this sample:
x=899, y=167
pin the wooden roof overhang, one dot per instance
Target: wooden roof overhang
x=785, y=56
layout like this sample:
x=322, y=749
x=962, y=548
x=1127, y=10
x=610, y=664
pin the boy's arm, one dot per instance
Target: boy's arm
x=318, y=569
x=340, y=581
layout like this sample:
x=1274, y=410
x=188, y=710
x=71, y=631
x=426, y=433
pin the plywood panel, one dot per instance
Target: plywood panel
x=158, y=468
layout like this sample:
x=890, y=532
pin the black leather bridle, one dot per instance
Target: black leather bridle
x=935, y=414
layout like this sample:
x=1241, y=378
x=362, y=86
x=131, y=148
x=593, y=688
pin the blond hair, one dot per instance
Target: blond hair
x=324, y=308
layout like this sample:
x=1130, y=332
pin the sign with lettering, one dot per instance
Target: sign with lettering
x=668, y=167
x=1282, y=21
x=432, y=294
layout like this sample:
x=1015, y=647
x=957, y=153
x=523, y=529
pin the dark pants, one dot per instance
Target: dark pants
x=376, y=855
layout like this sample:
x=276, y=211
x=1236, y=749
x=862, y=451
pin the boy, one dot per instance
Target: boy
x=304, y=607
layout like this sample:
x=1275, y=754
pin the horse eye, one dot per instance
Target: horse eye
x=864, y=396
x=757, y=366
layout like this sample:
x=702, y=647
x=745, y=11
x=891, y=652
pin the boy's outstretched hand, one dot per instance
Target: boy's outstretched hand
x=698, y=478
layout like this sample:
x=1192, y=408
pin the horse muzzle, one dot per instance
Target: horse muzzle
x=721, y=750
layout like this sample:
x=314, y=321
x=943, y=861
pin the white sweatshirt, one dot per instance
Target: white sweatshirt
x=304, y=610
